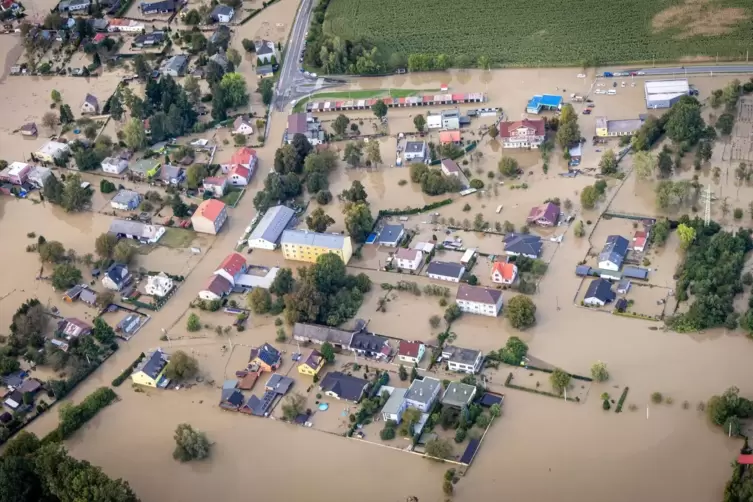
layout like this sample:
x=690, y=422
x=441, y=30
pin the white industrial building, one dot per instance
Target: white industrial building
x=665, y=93
x=267, y=233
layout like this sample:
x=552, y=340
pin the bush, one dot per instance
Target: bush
x=190, y=444
x=106, y=186
x=387, y=433
x=657, y=398
x=605, y=405
x=460, y=435
x=477, y=184
x=127, y=372
x=599, y=372
x=738, y=213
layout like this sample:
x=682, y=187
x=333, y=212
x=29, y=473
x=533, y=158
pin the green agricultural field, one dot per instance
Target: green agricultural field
x=547, y=32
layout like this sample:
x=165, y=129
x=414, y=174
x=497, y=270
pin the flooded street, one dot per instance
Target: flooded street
x=539, y=449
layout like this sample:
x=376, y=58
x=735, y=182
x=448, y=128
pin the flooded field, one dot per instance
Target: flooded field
x=674, y=453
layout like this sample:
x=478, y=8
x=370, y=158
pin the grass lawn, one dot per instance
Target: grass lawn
x=231, y=198
x=177, y=238
x=362, y=94
x=547, y=32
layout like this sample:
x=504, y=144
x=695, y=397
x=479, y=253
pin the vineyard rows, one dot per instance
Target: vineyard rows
x=540, y=33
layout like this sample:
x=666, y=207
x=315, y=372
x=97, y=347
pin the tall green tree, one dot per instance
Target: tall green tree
x=134, y=134
x=319, y=221
x=379, y=109
x=358, y=221
x=568, y=132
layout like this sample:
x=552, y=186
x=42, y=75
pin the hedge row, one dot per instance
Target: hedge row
x=74, y=417
x=413, y=210
x=536, y=391
x=127, y=372
x=622, y=399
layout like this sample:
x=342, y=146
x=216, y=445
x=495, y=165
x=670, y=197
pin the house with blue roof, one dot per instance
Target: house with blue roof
x=599, y=293
x=267, y=357
x=613, y=254
x=544, y=102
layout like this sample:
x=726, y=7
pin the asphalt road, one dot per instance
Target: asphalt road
x=289, y=75
x=695, y=70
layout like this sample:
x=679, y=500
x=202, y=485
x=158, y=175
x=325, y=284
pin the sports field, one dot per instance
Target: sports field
x=548, y=32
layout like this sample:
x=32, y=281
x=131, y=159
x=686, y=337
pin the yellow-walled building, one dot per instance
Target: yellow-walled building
x=301, y=245
x=313, y=364
x=610, y=128
x=150, y=371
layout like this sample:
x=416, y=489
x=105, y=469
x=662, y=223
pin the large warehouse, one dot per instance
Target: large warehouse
x=665, y=93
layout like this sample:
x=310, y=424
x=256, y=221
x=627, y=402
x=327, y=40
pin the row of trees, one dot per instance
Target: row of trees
x=434, y=181
x=33, y=472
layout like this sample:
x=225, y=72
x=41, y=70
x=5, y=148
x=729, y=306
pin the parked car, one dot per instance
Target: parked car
x=591, y=105
x=587, y=111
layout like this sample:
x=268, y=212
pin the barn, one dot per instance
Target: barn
x=665, y=93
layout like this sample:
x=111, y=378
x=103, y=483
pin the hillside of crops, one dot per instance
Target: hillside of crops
x=545, y=32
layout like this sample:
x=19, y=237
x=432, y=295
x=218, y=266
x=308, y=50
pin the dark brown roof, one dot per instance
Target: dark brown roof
x=505, y=128
x=296, y=123
x=478, y=294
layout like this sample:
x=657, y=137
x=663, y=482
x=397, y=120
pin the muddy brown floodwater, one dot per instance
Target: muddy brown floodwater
x=539, y=449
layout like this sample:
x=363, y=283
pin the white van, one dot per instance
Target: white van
x=611, y=92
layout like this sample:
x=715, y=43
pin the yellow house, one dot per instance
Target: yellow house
x=151, y=369
x=614, y=128
x=313, y=364
x=301, y=245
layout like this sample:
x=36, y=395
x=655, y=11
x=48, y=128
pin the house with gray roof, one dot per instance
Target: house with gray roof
x=279, y=384
x=149, y=371
x=267, y=233
x=317, y=334
x=415, y=151
x=220, y=58
x=395, y=406
x=90, y=105
x=445, y=271
x=223, y=13
x=527, y=245
x=265, y=52
x=458, y=395
x=175, y=66
x=126, y=200
x=370, y=345
x=613, y=254
x=341, y=386
x=479, y=300
x=390, y=235
x=461, y=359
x=423, y=393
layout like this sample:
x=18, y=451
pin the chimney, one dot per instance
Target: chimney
x=420, y=392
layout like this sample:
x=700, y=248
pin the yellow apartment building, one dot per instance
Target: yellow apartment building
x=301, y=245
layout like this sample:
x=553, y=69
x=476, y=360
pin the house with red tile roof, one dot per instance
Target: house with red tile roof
x=410, y=352
x=504, y=272
x=239, y=175
x=639, y=241
x=522, y=133
x=233, y=266
x=209, y=216
x=545, y=215
x=446, y=137
x=244, y=156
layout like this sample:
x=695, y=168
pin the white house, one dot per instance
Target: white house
x=479, y=300
x=415, y=150
x=395, y=406
x=215, y=184
x=504, y=272
x=158, y=285
x=410, y=352
x=462, y=360
x=433, y=120
x=223, y=13
x=445, y=271
x=239, y=175
x=613, y=254
x=408, y=259
x=126, y=25
x=242, y=125
x=38, y=176
x=114, y=165
x=423, y=393
x=265, y=52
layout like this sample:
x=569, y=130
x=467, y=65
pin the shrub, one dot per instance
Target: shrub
x=605, y=405
x=387, y=433
x=460, y=435
x=477, y=184
x=657, y=398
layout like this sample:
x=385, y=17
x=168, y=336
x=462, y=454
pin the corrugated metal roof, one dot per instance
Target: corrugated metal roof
x=302, y=237
x=272, y=224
